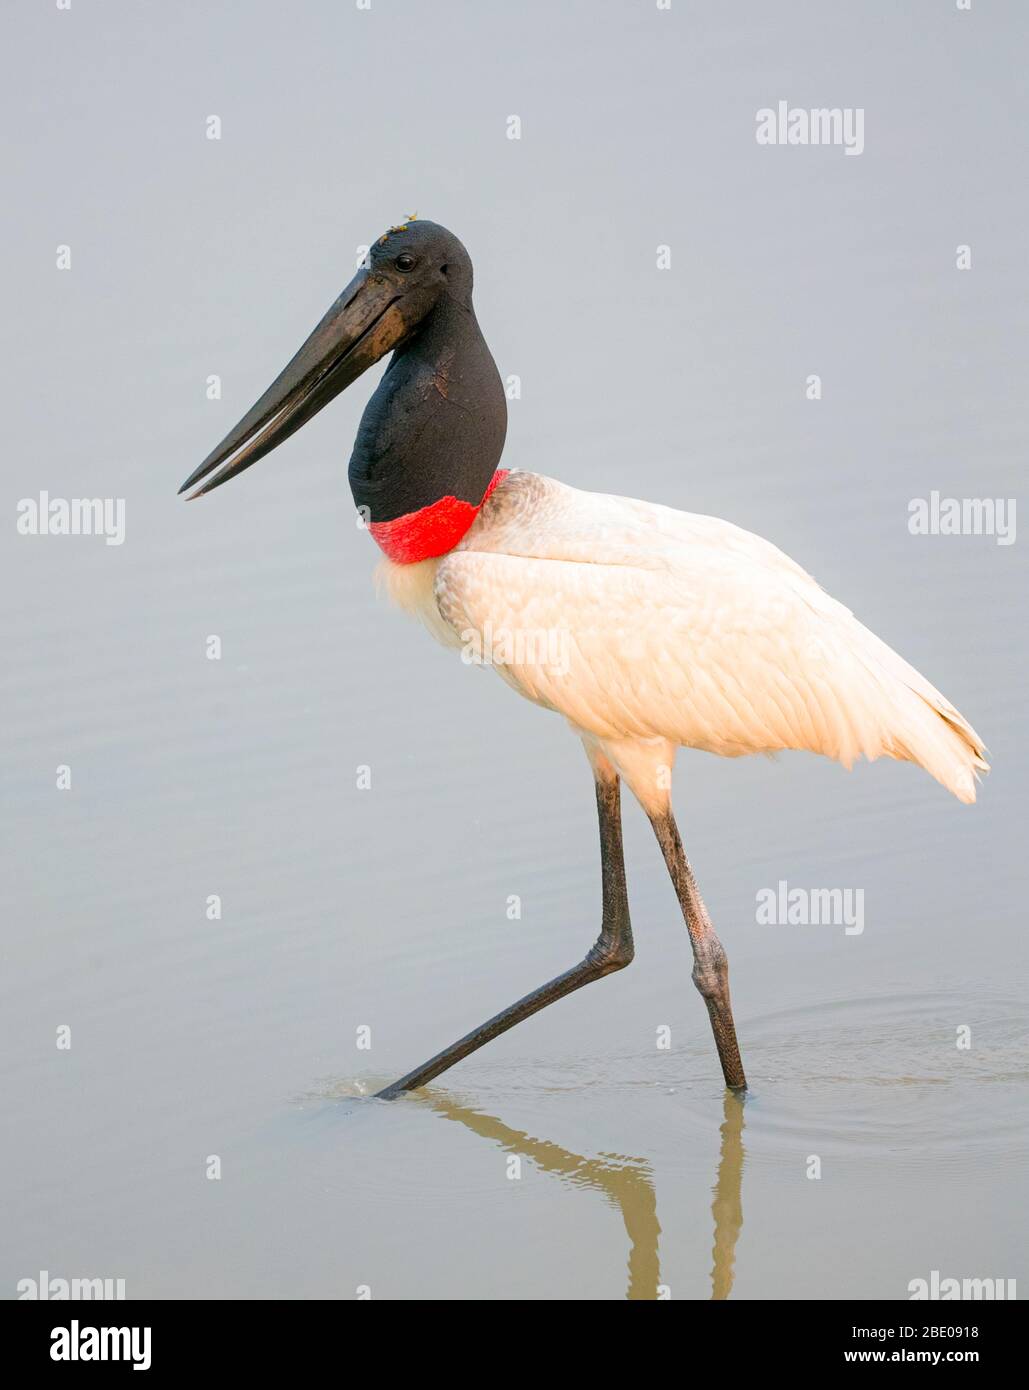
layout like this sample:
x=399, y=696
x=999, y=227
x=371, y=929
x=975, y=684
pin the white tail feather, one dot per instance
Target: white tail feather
x=928, y=730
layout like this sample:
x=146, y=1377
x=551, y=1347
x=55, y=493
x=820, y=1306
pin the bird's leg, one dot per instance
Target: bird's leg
x=710, y=963
x=613, y=949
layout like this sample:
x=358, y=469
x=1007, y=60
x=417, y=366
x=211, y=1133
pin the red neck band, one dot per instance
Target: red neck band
x=431, y=530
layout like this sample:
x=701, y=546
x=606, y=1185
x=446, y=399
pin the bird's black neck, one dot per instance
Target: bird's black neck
x=434, y=430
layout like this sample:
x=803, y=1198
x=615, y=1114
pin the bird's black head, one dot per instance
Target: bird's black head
x=411, y=272
x=425, y=260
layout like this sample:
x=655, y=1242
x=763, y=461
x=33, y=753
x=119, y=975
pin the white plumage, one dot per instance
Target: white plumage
x=650, y=628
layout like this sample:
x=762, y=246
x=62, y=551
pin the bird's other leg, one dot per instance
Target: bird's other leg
x=613, y=949
x=710, y=963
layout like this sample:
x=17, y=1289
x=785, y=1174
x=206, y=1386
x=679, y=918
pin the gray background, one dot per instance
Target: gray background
x=386, y=907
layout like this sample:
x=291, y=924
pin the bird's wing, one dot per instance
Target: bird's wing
x=637, y=621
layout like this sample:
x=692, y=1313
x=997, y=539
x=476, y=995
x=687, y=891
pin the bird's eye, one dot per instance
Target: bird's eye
x=405, y=261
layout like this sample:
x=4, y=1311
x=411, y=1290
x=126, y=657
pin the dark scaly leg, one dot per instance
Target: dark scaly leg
x=613, y=949
x=710, y=964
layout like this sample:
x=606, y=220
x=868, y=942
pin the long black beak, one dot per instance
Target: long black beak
x=363, y=325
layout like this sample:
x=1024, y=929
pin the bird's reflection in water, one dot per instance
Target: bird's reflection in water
x=727, y=1207
x=628, y=1184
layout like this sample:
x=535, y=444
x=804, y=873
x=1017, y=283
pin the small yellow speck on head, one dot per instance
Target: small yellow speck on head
x=402, y=226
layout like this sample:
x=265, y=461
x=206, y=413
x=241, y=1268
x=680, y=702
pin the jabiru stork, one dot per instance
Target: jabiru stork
x=675, y=629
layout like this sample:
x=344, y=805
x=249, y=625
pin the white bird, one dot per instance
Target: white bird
x=649, y=629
